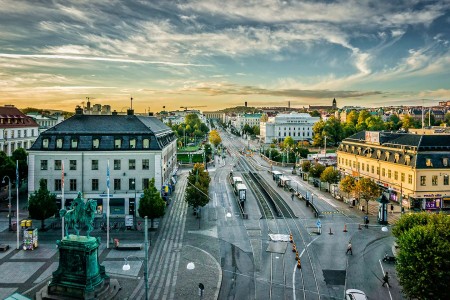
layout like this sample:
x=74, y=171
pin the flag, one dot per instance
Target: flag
x=107, y=175
x=62, y=173
x=17, y=172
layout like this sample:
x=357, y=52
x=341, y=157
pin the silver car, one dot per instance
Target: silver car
x=352, y=294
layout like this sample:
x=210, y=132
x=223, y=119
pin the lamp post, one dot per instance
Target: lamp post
x=9, y=200
x=126, y=266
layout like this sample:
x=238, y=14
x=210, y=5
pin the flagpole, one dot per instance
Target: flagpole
x=17, y=196
x=62, y=199
x=107, y=206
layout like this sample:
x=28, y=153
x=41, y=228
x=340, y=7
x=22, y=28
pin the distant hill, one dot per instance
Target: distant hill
x=241, y=110
x=27, y=110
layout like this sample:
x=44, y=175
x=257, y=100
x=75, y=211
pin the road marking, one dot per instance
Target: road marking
x=295, y=269
x=389, y=290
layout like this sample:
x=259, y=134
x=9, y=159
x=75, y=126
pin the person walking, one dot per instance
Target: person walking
x=386, y=279
x=349, y=248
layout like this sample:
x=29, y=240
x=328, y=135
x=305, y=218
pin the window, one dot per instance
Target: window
x=58, y=185
x=74, y=143
x=73, y=184
x=403, y=177
x=59, y=143
x=145, y=164
x=428, y=162
x=45, y=182
x=117, y=184
x=389, y=174
x=95, y=184
x=146, y=143
x=58, y=164
x=445, y=179
x=117, y=143
x=94, y=165
x=407, y=159
x=423, y=180
x=354, y=164
x=409, y=178
x=378, y=170
x=383, y=172
x=373, y=169
x=131, y=184
x=387, y=155
x=445, y=161
x=145, y=183
x=434, y=180
x=395, y=175
x=45, y=143
x=95, y=143
x=359, y=166
x=73, y=164
x=44, y=164
x=131, y=164
x=117, y=164
x=367, y=168
x=132, y=143
x=363, y=165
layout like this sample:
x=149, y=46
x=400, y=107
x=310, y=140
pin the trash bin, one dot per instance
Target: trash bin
x=23, y=223
x=14, y=226
x=29, y=223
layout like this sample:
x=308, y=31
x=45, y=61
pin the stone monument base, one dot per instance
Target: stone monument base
x=108, y=289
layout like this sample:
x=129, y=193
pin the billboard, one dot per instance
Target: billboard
x=373, y=137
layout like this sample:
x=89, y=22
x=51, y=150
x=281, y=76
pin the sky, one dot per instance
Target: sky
x=210, y=54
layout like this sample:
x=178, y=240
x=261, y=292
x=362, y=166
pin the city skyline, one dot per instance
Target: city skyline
x=219, y=54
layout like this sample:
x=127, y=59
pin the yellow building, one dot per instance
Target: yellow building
x=411, y=167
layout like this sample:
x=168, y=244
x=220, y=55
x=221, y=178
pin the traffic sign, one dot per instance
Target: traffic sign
x=318, y=223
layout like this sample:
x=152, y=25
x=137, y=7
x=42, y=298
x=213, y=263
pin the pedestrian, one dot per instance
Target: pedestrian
x=349, y=248
x=366, y=221
x=386, y=280
x=292, y=196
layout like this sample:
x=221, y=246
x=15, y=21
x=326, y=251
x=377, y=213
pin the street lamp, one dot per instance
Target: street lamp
x=9, y=200
x=126, y=266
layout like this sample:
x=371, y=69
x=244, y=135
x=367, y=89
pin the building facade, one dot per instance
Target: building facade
x=16, y=130
x=246, y=119
x=46, y=121
x=296, y=125
x=411, y=169
x=137, y=149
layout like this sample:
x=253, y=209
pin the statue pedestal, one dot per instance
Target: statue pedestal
x=79, y=274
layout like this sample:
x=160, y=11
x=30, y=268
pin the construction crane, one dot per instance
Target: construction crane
x=186, y=107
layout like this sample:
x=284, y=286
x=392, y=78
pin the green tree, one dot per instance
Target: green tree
x=314, y=113
x=247, y=129
x=7, y=167
x=424, y=253
x=256, y=130
x=333, y=131
x=330, y=175
x=22, y=156
x=352, y=117
x=367, y=189
x=407, y=122
x=347, y=185
x=288, y=142
x=198, y=186
x=375, y=123
x=348, y=129
x=317, y=131
x=42, y=204
x=151, y=204
x=447, y=118
x=306, y=165
x=316, y=170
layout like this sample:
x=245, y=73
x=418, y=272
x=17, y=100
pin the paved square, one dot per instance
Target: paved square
x=122, y=254
x=41, y=252
x=11, y=248
x=18, y=272
x=47, y=273
x=115, y=268
x=5, y=292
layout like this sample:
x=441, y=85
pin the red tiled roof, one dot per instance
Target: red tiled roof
x=11, y=112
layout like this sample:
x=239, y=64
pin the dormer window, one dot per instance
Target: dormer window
x=353, y=149
x=346, y=148
x=445, y=161
x=387, y=154
x=117, y=143
x=59, y=143
x=132, y=143
x=359, y=150
x=428, y=162
x=146, y=143
x=45, y=143
x=74, y=143
x=407, y=159
x=396, y=157
x=95, y=143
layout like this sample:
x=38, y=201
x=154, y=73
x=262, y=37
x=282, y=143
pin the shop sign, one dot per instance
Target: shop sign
x=129, y=220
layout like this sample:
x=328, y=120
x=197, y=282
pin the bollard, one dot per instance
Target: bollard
x=330, y=233
x=345, y=228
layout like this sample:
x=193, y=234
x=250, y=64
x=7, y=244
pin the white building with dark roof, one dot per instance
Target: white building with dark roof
x=138, y=148
x=16, y=130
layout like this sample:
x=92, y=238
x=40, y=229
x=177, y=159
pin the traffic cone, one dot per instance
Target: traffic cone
x=294, y=249
x=359, y=227
x=299, y=264
x=296, y=256
x=330, y=233
x=290, y=238
x=345, y=228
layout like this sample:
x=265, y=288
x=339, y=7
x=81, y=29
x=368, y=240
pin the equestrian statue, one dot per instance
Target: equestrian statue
x=79, y=215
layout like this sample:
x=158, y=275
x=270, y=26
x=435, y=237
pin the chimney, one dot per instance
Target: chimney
x=150, y=114
x=245, y=103
x=130, y=112
x=114, y=113
x=78, y=110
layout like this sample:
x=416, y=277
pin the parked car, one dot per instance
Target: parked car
x=352, y=294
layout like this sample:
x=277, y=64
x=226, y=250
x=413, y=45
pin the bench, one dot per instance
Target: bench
x=129, y=246
x=4, y=247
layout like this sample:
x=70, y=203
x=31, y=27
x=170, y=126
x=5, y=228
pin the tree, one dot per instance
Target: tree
x=151, y=204
x=264, y=118
x=317, y=131
x=429, y=119
x=348, y=129
x=288, y=141
x=352, y=117
x=330, y=175
x=424, y=253
x=256, y=130
x=375, y=123
x=347, y=185
x=198, y=186
x=447, y=118
x=367, y=189
x=333, y=131
x=306, y=165
x=214, y=138
x=407, y=122
x=7, y=166
x=247, y=129
x=314, y=113
x=316, y=170
x=42, y=204
x=21, y=155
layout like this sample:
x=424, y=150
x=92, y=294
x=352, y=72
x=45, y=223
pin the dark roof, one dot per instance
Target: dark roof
x=15, y=115
x=106, y=128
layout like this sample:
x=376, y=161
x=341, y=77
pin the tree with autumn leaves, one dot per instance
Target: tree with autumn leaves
x=214, y=138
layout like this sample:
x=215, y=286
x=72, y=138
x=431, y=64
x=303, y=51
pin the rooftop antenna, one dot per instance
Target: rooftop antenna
x=423, y=123
x=131, y=102
x=429, y=117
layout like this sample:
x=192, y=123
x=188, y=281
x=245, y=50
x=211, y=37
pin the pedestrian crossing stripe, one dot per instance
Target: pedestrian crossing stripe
x=330, y=212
